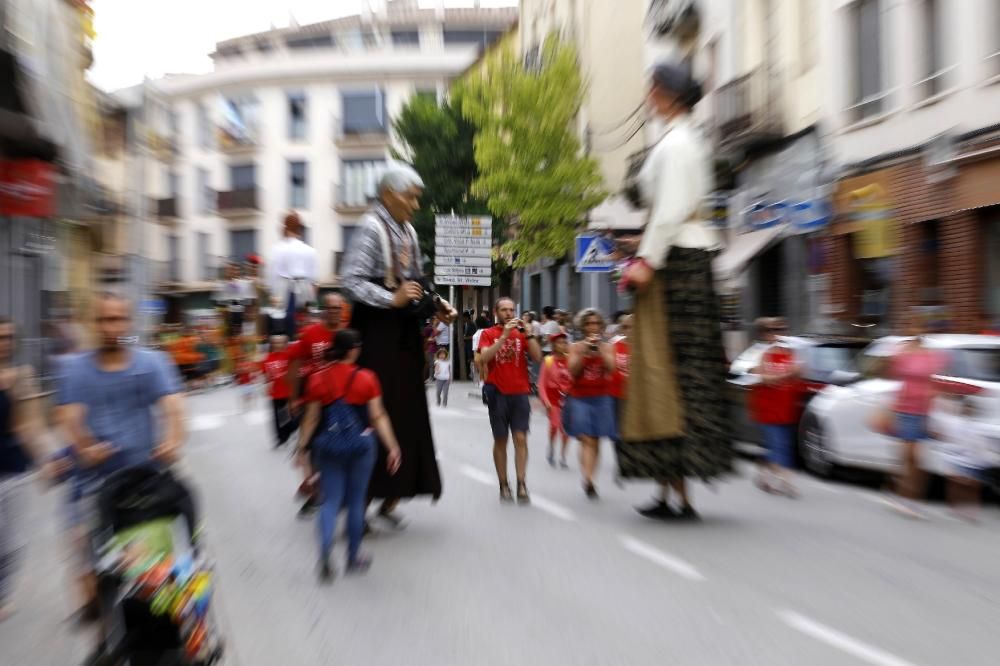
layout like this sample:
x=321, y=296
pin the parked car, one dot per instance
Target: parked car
x=825, y=360
x=835, y=429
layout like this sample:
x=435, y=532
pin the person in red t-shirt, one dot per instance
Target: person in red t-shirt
x=774, y=404
x=619, y=380
x=553, y=386
x=505, y=350
x=589, y=413
x=305, y=356
x=344, y=480
x=246, y=373
x=275, y=369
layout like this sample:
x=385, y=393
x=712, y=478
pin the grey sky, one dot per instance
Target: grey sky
x=137, y=38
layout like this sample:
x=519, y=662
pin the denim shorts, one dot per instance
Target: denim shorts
x=911, y=427
x=780, y=441
x=592, y=417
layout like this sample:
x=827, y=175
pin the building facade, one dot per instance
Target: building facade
x=298, y=118
x=914, y=125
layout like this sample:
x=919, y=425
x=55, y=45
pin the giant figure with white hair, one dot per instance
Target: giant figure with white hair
x=383, y=275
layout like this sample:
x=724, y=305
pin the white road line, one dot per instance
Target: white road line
x=552, y=508
x=663, y=559
x=259, y=417
x=206, y=422
x=842, y=642
x=477, y=475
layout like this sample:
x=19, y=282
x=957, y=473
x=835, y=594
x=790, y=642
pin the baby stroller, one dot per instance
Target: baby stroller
x=154, y=586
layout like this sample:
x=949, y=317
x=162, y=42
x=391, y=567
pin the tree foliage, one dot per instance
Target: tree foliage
x=437, y=141
x=531, y=167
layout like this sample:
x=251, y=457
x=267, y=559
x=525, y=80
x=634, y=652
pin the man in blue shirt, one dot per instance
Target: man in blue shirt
x=122, y=404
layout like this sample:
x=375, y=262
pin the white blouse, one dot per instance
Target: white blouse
x=675, y=180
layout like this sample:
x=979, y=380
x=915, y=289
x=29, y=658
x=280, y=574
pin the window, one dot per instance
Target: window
x=296, y=42
x=174, y=259
x=205, y=256
x=173, y=185
x=297, y=116
x=242, y=242
x=298, y=193
x=239, y=119
x=481, y=38
x=932, y=72
x=204, y=127
x=358, y=181
x=205, y=195
x=242, y=177
x=347, y=238
x=867, y=85
x=364, y=112
x=405, y=38
x=428, y=94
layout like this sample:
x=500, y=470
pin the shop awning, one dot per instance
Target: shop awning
x=741, y=251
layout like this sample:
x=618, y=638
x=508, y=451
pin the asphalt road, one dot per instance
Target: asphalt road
x=831, y=578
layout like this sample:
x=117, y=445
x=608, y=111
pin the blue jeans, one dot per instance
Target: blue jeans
x=780, y=441
x=290, y=316
x=344, y=482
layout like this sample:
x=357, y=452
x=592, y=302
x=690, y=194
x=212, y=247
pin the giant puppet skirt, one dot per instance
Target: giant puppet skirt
x=675, y=423
x=393, y=349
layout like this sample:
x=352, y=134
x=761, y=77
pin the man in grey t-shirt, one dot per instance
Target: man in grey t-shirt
x=549, y=328
x=122, y=404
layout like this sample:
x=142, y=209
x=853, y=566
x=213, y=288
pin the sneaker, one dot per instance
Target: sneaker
x=688, y=513
x=310, y=507
x=325, y=571
x=658, y=510
x=359, y=565
x=590, y=490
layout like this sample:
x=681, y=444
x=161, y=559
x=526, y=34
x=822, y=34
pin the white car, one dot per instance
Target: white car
x=835, y=429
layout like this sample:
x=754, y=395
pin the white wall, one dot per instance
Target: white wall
x=971, y=101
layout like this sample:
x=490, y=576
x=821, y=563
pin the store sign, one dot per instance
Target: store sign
x=872, y=223
x=27, y=188
x=805, y=216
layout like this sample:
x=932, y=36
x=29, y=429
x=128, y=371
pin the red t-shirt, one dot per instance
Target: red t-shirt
x=508, y=370
x=275, y=368
x=619, y=380
x=556, y=380
x=594, y=380
x=244, y=372
x=309, y=348
x=776, y=404
x=329, y=383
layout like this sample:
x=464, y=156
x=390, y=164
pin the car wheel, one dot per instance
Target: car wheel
x=812, y=446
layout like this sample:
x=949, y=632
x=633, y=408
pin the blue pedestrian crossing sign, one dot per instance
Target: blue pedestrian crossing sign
x=594, y=254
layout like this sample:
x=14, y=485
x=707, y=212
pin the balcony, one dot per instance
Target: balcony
x=164, y=147
x=166, y=209
x=348, y=204
x=748, y=109
x=242, y=142
x=367, y=136
x=237, y=203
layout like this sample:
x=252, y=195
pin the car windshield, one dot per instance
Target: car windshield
x=979, y=363
x=827, y=359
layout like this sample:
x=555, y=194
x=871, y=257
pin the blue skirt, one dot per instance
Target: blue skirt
x=593, y=417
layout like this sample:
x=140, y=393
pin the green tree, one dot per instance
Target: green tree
x=437, y=141
x=531, y=167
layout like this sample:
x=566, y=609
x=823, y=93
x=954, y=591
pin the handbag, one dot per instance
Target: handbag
x=342, y=433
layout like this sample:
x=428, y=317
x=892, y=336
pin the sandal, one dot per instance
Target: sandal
x=505, y=494
x=522, y=493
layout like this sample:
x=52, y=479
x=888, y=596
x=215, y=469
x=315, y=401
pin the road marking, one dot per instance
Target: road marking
x=477, y=475
x=552, y=508
x=657, y=556
x=842, y=642
x=206, y=422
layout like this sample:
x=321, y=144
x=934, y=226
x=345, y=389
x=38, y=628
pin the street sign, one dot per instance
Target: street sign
x=464, y=232
x=462, y=270
x=462, y=281
x=594, y=254
x=446, y=241
x=462, y=261
x=463, y=222
x=454, y=251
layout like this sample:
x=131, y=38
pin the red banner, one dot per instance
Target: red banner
x=27, y=188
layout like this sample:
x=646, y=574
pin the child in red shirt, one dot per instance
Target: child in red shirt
x=553, y=386
x=275, y=370
x=246, y=373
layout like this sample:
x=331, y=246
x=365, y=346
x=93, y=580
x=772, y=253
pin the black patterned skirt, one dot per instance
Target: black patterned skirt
x=705, y=449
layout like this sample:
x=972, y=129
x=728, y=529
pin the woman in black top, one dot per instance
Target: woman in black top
x=18, y=430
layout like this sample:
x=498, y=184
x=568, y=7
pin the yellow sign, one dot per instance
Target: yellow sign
x=873, y=225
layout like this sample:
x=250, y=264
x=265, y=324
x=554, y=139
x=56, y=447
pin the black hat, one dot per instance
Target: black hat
x=678, y=80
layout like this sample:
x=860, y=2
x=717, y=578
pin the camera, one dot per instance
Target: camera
x=593, y=347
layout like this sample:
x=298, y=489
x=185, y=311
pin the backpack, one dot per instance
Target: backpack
x=342, y=434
